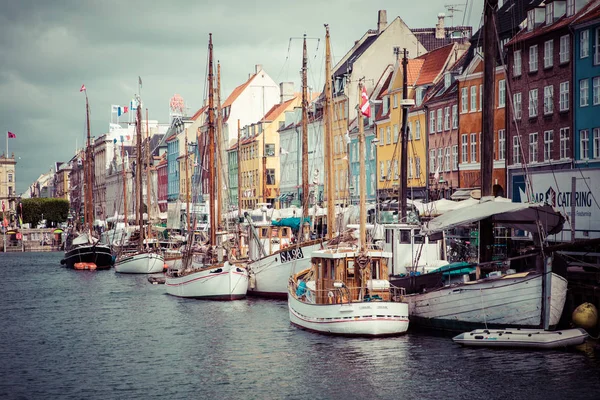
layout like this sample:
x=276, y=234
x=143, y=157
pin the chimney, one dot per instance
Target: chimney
x=258, y=68
x=286, y=90
x=440, y=32
x=381, y=21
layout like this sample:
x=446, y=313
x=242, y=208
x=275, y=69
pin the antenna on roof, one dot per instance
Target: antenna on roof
x=452, y=8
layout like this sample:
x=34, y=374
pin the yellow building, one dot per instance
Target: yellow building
x=423, y=72
x=8, y=182
x=259, y=156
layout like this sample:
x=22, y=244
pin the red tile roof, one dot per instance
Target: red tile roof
x=236, y=92
x=591, y=15
x=433, y=64
x=276, y=110
x=199, y=113
x=414, y=70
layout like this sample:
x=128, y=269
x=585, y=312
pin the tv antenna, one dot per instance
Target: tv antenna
x=452, y=8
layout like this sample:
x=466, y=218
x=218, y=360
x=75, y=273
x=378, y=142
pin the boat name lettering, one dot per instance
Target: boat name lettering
x=291, y=254
x=364, y=307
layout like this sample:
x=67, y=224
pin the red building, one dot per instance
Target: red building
x=163, y=183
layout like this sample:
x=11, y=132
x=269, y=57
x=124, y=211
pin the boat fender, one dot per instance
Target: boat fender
x=330, y=297
x=252, y=281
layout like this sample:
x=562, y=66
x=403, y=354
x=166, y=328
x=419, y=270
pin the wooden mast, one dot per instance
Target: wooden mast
x=88, y=173
x=305, y=189
x=219, y=143
x=138, y=175
x=403, y=143
x=328, y=142
x=148, y=182
x=187, y=190
x=211, y=145
x=124, y=182
x=362, y=173
x=239, y=171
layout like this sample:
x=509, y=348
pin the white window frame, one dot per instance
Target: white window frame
x=516, y=150
x=564, y=49
x=418, y=129
x=455, y=157
x=533, y=148
x=596, y=142
x=418, y=167
x=396, y=133
x=564, y=96
x=570, y=7
x=410, y=168
x=584, y=92
x=564, y=143
x=517, y=105
x=388, y=134
x=447, y=160
x=454, y=116
x=533, y=58
x=464, y=148
x=548, y=100
x=597, y=46
x=584, y=43
x=501, y=144
x=533, y=103
x=473, y=98
x=446, y=118
x=464, y=100
x=440, y=121
x=480, y=97
x=473, y=148
x=431, y=122
x=548, y=140
x=549, y=13
x=395, y=100
x=440, y=160
x=584, y=144
x=432, y=161
x=517, y=63
x=501, y=93
x=548, y=53
x=596, y=90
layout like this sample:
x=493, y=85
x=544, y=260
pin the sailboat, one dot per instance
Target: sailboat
x=269, y=274
x=208, y=275
x=346, y=289
x=83, y=251
x=144, y=260
x=505, y=298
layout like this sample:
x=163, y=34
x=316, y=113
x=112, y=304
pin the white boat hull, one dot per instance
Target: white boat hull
x=227, y=282
x=377, y=318
x=269, y=276
x=494, y=303
x=530, y=338
x=141, y=263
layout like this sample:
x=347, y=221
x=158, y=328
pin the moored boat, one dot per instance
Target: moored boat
x=140, y=263
x=529, y=338
x=215, y=282
x=83, y=250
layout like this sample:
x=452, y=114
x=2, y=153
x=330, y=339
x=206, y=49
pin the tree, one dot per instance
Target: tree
x=53, y=210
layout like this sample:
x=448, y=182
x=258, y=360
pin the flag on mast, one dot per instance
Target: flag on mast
x=365, y=107
x=83, y=89
x=11, y=135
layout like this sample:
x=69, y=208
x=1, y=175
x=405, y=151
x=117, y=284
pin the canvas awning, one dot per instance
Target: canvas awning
x=461, y=194
x=524, y=216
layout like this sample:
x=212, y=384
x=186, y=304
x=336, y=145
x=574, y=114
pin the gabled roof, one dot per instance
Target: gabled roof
x=355, y=52
x=428, y=39
x=562, y=22
x=509, y=17
x=237, y=91
x=199, y=113
x=434, y=63
x=593, y=14
x=277, y=110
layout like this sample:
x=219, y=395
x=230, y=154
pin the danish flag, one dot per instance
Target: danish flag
x=365, y=107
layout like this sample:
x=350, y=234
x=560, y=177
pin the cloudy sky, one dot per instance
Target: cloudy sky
x=49, y=48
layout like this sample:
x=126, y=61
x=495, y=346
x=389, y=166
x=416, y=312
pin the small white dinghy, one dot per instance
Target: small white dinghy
x=531, y=338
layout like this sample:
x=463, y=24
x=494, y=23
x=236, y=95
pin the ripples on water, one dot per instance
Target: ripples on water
x=101, y=335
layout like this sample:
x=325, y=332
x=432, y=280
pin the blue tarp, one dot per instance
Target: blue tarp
x=292, y=222
x=454, y=269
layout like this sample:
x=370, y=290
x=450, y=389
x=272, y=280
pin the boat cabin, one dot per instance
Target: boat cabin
x=272, y=239
x=411, y=251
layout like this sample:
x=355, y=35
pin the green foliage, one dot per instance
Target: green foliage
x=53, y=210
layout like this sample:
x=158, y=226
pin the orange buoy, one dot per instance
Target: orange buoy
x=166, y=266
x=85, y=266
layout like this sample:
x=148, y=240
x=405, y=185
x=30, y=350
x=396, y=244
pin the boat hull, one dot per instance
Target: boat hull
x=269, y=276
x=377, y=318
x=98, y=254
x=141, y=263
x=529, y=338
x=227, y=282
x=491, y=303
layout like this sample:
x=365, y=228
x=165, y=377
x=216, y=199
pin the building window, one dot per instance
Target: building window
x=432, y=161
x=385, y=104
x=548, y=99
x=410, y=131
x=447, y=160
x=372, y=151
x=548, y=53
x=516, y=150
x=564, y=96
x=454, y=116
x=548, y=138
x=596, y=143
x=381, y=171
x=533, y=103
x=388, y=132
x=464, y=148
x=584, y=44
x=388, y=169
x=10, y=178
x=439, y=120
x=597, y=47
x=596, y=91
x=473, y=147
x=440, y=160
x=533, y=147
x=396, y=169
x=417, y=129
x=549, y=13
x=464, y=100
x=396, y=100
x=564, y=49
x=455, y=157
x=446, y=118
x=517, y=63
x=530, y=20
x=270, y=150
x=418, y=167
x=381, y=137
x=480, y=97
x=473, y=98
x=517, y=105
x=396, y=133
x=570, y=7
x=501, y=144
x=584, y=144
x=431, y=121
x=419, y=96
x=410, y=168
x=270, y=176
x=584, y=92
x=501, y=93
x=564, y=143
x=533, y=58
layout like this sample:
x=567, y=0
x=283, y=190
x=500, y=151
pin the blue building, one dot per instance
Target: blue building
x=173, y=168
x=586, y=85
x=370, y=162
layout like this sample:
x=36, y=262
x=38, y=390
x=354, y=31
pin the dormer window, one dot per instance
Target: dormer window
x=447, y=80
x=419, y=96
x=530, y=20
x=570, y=7
x=386, y=100
x=549, y=13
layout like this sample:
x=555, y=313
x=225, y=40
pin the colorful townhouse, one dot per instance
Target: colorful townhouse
x=470, y=105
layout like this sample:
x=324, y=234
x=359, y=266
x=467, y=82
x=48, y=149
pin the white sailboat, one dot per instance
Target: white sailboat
x=208, y=275
x=346, y=291
x=144, y=260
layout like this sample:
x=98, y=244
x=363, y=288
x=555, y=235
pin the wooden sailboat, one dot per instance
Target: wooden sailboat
x=144, y=260
x=208, y=275
x=269, y=275
x=83, y=251
x=346, y=290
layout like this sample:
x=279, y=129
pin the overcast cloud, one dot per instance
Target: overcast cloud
x=49, y=48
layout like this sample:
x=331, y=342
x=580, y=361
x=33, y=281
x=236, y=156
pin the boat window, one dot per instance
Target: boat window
x=419, y=239
x=350, y=269
x=331, y=269
x=374, y=269
x=284, y=232
x=405, y=237
x=264, y=232
x=389, y=234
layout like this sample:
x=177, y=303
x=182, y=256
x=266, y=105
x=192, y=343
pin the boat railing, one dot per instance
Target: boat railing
x=343, y=294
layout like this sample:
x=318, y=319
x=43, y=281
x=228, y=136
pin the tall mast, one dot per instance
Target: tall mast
x=487, y=131
x=187, y=189
x=88, y=173
x=219, y=143
x=362, y=173
x=305, y=190
x=148, y=182
x=211, y=145
x=328, y=142
x=239, y=170
x=403, y=193
x=124, y=183
x=138, y=175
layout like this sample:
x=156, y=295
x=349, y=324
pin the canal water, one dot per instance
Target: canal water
x=68, y=334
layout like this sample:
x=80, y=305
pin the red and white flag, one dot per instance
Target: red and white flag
x=365, y=107
x=11, y=135
x=82, y=88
